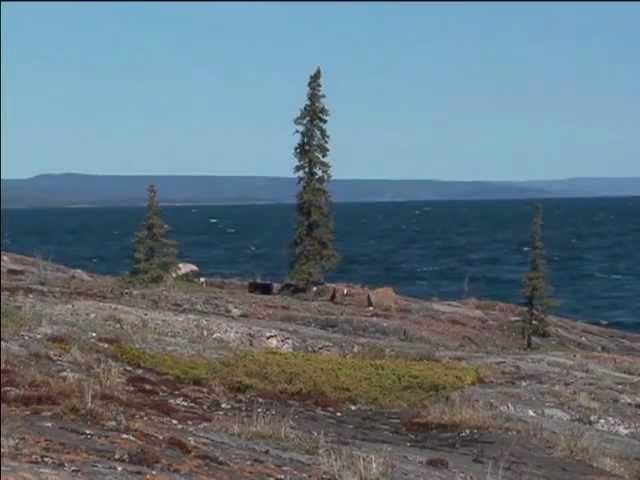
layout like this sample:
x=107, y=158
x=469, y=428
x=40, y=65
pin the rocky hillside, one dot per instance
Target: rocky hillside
x=103, y=380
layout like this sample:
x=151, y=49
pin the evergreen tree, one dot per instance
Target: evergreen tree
x=536, y=288
x=313, y=251
x=154, y=255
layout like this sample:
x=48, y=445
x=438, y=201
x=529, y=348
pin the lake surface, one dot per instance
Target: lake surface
x=422, y=249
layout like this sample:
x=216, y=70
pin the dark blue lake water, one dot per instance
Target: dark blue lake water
x=422, y=249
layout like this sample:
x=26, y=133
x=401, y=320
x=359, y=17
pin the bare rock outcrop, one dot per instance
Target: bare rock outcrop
x=383, y=298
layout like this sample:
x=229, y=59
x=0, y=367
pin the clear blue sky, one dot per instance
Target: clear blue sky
x=416, y=90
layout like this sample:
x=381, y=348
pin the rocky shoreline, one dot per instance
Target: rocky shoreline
x=71, y=409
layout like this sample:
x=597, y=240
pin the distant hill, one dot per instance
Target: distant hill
x=73, y=190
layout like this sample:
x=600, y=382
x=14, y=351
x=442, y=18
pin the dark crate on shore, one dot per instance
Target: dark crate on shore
x=261, y=288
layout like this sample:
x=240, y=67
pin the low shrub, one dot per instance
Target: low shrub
x=321, y=379
x=183, y=370
x=316, y=377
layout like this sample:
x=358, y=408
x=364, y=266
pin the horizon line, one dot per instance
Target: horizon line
x=340, y=179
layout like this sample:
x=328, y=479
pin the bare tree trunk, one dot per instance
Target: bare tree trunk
x=528, y=328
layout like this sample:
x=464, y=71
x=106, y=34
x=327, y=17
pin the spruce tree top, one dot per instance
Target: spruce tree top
x=536, y=288
x=312, y=149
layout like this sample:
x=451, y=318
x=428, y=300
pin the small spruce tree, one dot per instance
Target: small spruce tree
x=536, y=287
x=154, y=255
x=313, y=252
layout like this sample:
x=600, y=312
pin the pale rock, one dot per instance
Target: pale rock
x=183, y=269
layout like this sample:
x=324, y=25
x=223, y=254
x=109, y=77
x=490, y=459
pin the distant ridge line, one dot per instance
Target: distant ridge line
x=77, y=189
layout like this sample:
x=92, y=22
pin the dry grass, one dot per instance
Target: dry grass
x=580, y=444
x=346, y=464
x=533, y=428
x=495, y=473
x=586, y=401
x=503, y=462
x=88, y=403
x=83, y=403
x=457, y=413
x=70, y=396
x=90, y=393
x=30, y=389
x=624, y=467
x=43, y=267
x=575, y=443
x=261, y=425
x=107, y=375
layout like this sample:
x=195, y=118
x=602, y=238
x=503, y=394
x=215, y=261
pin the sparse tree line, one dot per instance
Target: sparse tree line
x=312, y=250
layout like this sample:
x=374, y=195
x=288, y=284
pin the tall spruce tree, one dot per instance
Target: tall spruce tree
x=154, y=255
x=536, y=287
x=313, y=252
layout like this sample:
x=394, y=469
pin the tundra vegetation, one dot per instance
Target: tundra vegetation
x=319, y=378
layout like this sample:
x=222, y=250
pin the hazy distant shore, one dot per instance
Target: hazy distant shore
x=75, y=191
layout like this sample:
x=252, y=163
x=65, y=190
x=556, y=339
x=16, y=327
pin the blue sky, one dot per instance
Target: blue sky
x=416, y=90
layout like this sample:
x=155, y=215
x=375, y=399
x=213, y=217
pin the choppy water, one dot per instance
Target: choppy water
x=423, y=249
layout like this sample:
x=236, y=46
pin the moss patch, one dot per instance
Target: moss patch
x=322, y=379
x=183, y=370
x=315, y=377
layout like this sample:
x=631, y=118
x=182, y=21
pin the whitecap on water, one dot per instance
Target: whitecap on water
x=230, y=230
x=427, y=269
x=213, y=220
x=612, y=276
